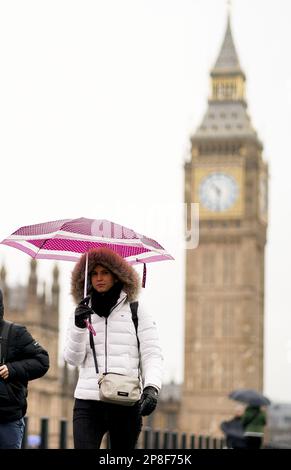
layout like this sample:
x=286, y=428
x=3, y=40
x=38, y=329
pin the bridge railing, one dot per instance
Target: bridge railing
x=149, y=438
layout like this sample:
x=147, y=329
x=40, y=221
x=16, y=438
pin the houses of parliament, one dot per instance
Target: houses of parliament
x=224, y=290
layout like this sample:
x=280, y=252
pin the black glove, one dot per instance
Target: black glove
x=148, y=401
x=82, y=312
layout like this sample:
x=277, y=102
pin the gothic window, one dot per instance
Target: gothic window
x=215, y=91
x=229, y=262
x=207, y=377
x=208, y=267
x=220, y=90
x=227, y=320
x=229, y=90
x=227, y=372
x=207, y=320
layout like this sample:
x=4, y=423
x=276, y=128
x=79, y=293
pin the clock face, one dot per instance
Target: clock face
x=218, y=191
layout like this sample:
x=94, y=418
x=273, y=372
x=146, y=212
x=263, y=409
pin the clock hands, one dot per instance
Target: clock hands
x=218, y=195
x=218, y=192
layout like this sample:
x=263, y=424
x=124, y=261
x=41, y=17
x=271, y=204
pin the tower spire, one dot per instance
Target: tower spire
x=55, y=287
x=3, y=283
x=229, y=5
x=227, y=61
x=226, y=115
x=228, y=79
x=32, y=282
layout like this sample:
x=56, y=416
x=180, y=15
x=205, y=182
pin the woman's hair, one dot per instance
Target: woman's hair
x=112, y=261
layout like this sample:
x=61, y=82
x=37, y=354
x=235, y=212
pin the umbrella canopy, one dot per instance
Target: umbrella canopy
x=249, y=396
x=68, y=239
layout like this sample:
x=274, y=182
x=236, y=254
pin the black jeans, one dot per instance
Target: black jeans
x=92, y=419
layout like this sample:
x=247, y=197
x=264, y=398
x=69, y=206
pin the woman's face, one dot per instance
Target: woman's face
x=102, y=279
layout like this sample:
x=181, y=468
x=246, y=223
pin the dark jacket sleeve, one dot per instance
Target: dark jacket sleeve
x=32, y=360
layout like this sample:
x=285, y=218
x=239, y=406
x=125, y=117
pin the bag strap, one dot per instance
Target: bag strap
x=4, y=340
x=92, y=346
x=133, y=308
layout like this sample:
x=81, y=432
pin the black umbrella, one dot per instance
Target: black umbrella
x=252, y=397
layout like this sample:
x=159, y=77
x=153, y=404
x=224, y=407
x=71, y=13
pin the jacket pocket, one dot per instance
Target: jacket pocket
x=4, y=396
x=17, y=393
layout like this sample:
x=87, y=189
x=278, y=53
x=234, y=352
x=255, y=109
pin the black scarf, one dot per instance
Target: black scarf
x=103, y=302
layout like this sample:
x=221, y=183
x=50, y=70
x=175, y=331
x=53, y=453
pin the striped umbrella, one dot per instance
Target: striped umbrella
x=68, y=239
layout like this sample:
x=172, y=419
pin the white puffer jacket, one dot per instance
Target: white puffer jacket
x=116, y=349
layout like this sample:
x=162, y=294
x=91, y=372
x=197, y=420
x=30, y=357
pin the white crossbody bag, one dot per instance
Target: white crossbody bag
x=119, y=389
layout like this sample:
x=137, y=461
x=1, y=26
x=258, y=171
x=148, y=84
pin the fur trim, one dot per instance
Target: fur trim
x=110, y=260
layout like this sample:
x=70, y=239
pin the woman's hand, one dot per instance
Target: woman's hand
x=82, y=312
x=148, y=401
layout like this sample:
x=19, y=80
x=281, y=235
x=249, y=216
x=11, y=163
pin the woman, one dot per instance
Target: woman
x=112, y=285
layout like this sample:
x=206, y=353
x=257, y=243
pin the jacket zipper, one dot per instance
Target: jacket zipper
x=106, y=333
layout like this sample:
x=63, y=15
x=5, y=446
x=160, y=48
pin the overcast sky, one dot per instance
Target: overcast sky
x=98, y=100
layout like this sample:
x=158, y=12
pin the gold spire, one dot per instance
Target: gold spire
x=228, y=79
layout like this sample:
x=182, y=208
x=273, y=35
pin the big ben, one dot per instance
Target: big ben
x=224, y=304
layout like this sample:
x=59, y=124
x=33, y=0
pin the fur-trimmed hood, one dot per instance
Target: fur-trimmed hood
x=110, y=260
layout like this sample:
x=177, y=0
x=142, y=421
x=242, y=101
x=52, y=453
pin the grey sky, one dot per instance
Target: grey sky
x=98, y=102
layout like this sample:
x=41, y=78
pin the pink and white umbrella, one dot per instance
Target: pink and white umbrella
x=68, y=239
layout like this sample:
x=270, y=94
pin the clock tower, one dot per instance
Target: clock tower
x=224, y=305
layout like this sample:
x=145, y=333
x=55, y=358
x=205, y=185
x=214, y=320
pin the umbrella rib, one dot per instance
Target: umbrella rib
x=40, y=248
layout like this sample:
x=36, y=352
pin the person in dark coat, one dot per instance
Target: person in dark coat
x=234, y=431
x=25, y=360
